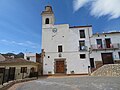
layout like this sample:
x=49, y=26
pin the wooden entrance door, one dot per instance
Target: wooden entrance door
x=60, y=67
x=107, y=58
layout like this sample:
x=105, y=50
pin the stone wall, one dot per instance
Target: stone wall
x=5, y=86
x=107, y=70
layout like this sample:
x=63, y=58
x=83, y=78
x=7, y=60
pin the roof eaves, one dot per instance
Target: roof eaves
x=80, y=26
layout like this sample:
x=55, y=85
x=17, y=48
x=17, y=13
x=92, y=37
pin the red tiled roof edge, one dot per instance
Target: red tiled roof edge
x=20, y=60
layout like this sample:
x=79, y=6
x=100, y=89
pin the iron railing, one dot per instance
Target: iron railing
x=105, y=46
x=82, y=48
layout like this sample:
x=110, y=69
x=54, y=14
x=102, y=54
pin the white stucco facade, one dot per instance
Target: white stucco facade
x=68, y=37
x=75, y=51
x=30, y=56
x=115, y=49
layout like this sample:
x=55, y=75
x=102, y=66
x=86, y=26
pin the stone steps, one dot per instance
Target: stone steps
x=107, y=70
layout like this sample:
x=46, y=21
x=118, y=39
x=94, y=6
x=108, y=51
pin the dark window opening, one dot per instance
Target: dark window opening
x=11, y=73
x=32, y=69
x=108, y=43
x=82, y=45
x=28, y=58
x=60, y=48
x=2, y=70
x=99, y=43
x=47, y=21
x=82, y=33
x=82, y=56
x=23, y=69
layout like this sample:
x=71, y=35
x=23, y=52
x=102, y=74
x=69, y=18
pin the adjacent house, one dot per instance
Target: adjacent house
x=19, y=68
x=75, y=49
x=105, y=49
x=35, y=57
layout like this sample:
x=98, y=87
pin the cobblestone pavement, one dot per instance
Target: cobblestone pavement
x=73, y=83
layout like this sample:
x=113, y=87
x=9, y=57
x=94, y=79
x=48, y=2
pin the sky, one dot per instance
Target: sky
x=20, y=20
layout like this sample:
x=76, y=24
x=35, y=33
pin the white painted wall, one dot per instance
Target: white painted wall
x=73, y=62
x=32, y=56
x=115, y=39
x=69, y=39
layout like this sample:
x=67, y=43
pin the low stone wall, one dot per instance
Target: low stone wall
x=5, y=86
x=107, y=70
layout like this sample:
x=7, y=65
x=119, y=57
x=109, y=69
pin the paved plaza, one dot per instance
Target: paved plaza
x=73, y=83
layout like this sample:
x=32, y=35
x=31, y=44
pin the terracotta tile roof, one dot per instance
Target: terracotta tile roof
x=80, y=26
x=18, y=60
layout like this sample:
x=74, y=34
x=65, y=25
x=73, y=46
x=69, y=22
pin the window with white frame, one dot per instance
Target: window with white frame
x=82, y=33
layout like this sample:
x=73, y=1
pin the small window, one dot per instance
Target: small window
x=82, y=45
x=60, y=48
x=23, y=69
x=28, y=58
x=82, y=33
x=47, y=21
x=82, y=56
x=2, y=70
x=99, y=43
x=32, y=69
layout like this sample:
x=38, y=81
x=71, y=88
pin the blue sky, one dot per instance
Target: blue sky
x=20, y=20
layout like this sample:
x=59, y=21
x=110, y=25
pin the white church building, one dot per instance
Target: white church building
x=75, y=50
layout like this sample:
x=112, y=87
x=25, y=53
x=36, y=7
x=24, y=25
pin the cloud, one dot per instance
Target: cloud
x=100, y=8
x=25, y=44
x=77, y=4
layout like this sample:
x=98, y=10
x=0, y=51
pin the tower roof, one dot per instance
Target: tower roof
x=48, y=10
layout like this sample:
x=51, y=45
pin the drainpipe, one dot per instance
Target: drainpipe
x=89, y=52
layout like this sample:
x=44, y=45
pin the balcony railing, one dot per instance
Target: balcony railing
x=82, y=48
x=105, y=46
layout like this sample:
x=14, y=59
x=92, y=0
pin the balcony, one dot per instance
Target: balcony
x=82, y=48
x=105, y=46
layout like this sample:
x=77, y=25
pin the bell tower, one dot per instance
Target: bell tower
x=47, y=16
x=47, y=26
